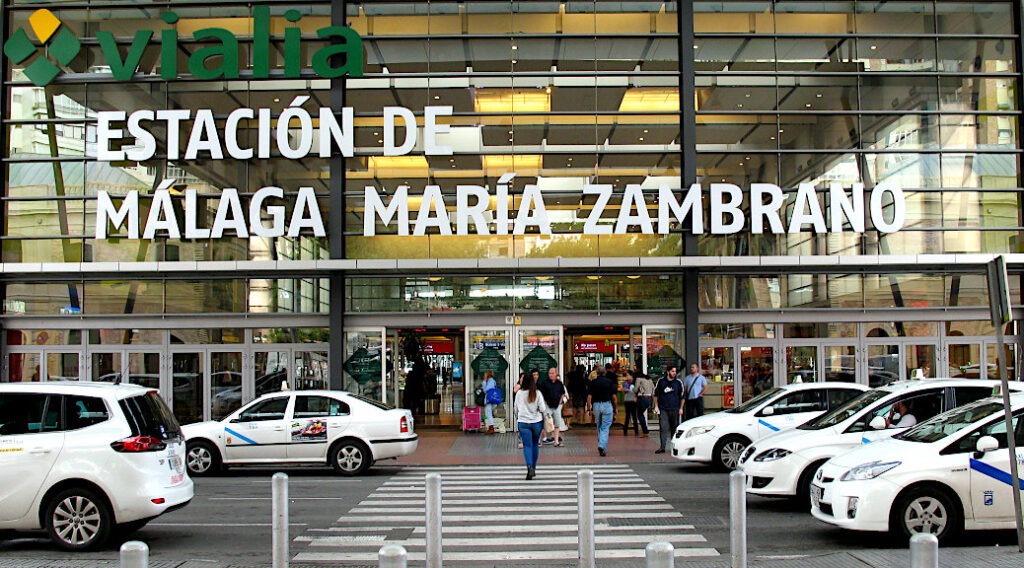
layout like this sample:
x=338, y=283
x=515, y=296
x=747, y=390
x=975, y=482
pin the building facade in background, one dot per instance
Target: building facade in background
x=654, y=96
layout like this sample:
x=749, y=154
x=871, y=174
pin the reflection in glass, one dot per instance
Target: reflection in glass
x=717, y=364
x=801, y=364
x=311, y=370
x=757, y=367
x=24, y=367
x=106, y=367
x=144, y=368
x=225, y=383
x=965, y=360
x=883, y=364
x=187, y=387
x=840, y=363
x=62, y=366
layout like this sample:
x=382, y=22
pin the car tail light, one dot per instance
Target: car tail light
x=139, y=444
x=404, y=425
x=158, y=501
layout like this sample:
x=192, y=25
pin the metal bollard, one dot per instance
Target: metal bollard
x=279, y=520
x=738, y=518
x=134, y=554
x=585, y=494
x=924, y=551
x=433, y=504
x=392, y=556
x=661, y=554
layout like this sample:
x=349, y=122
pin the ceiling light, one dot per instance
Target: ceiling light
x=739, y=105
x=515, y=47
x=437, y=97
x=277, y=100
x=593, y=277
x=633, y=277
x=645, y=131
x=808, y=105
x=781, y=131
x=547, y=90
x=376, y=133
x=874, y=47
x=434, y=278
x=818, y=95
x=747, y=95
x=514, y=61
x=650, y=99
x=771, y=138
x=747, y=158
x=741, y=163
x=380, y=141
x=393, y=166
x=510, y=100
x=497, y=165
x=641, y=138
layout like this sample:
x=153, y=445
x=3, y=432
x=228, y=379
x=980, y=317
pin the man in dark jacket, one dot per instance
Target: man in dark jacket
x=668, y=404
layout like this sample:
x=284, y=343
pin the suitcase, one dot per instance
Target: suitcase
x=471, y=419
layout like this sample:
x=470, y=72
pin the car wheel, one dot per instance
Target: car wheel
x=78, y=519
x=350, y=457
x=728, y=451
x=202, y=458
x=803, y=485
x=926, y=510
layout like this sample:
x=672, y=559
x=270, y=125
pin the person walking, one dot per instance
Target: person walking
x=515, y=390
x=694, y=385
x=530, y=408
x=644, y=395
x=489, y=383
x=629, y=400
x=668, y=397
x=602, y=401
x=553, y=391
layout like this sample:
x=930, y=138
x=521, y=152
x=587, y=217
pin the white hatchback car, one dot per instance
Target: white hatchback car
x=782, y=464
x=82, y=460
x=720, y=438
x=346, y=431
x=942, y=476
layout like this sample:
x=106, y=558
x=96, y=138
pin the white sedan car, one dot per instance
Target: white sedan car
x=346, y=431
x=782, y=464
x=720, y=438
x=945, y=475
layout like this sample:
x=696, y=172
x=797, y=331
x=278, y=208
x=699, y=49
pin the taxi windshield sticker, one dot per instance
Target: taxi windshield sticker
x=313, y=430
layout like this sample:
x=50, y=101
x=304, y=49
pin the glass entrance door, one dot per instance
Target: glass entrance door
x=757, y=370
x=187, y=380
x=801, y=364
x=490, y=349
x=965, y=361
x=883, y=364
x=663, y=348
x=364, y=365
x=226, y=393
x=718, y=365
x=839, y=363
x=920, y=356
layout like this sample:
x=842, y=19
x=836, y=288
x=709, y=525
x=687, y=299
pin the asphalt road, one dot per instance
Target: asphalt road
x=228, y=522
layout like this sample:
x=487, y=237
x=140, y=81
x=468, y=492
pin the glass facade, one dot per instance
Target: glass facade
x=925, y=95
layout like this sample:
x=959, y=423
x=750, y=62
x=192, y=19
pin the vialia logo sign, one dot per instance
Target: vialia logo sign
x=344, y=56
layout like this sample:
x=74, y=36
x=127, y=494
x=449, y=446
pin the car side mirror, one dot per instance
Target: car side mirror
x=768, y=411
x=985, y=444
x=877, y=423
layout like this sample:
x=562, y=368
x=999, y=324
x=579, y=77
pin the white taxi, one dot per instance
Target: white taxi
x=782, y=464
x=945, y=475
x=720, y=438
x=346, y=431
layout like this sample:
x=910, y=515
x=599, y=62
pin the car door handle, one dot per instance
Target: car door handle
x=279, y=428
x=40, y=451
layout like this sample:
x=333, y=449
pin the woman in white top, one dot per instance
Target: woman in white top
x=530, y=409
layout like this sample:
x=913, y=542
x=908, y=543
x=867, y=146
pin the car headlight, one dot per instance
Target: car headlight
x=698, y=431
x=868, y=470
x=772, y=455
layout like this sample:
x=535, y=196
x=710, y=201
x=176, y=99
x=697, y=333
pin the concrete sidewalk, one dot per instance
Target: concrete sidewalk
x=956, y=557
x=580, y=447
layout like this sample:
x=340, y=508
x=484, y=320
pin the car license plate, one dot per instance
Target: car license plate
x=178, y=464
x=816, y=494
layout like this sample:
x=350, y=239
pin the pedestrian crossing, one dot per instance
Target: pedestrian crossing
x=492, y=514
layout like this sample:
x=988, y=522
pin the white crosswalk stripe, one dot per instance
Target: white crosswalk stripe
x=491, y=514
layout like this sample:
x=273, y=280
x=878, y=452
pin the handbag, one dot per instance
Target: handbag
x=480, y=396
x=494, y=396
x=549, y=423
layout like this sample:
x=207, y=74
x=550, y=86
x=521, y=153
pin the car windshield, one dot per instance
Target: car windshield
x=370, y=401
x=951, y=422
x=754, y=402
x=844, y=412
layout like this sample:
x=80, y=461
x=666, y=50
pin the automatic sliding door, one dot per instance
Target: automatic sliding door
x=489, y=349
x=757, y=370
x=718, y=364
x=921, y=357
x=187, y=381
x=106, y=366
x=270, y=371
x=62, y=366
x=801, y=364
x=839, y=363
x=883, y=364
x=363, y=362
x=225, y=383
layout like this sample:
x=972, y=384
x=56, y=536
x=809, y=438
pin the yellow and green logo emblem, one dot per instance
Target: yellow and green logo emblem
x=60, y=46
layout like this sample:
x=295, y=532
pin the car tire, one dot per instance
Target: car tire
x=78, y=519
x=803, y=484
x=926, y=510
x=350, y=457
x=202, y=458
x=727, y=452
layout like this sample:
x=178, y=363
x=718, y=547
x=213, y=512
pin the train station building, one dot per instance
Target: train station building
x=393, y=197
